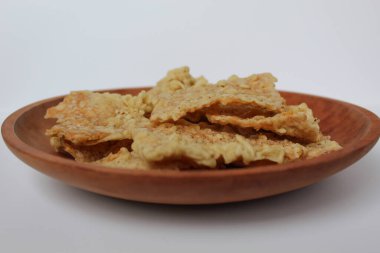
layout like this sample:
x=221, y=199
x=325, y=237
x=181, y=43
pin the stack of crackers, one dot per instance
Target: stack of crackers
x=186, y=123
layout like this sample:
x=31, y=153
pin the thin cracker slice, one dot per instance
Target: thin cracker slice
x=175, y=79
x=125, y=159
x=131, y=160
x=295, y=121
x=323, y=146
x=258, y=90
x=206, y=146
x=88, y=118
x=89, y=153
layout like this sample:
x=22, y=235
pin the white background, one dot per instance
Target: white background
x=48, y=48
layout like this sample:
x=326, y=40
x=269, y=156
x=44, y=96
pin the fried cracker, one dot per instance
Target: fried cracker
x=130, y=160
x=88, y=153
x=323, y=146
x=257, y=90
x=175, y=79
x=88, y=118
x=295, y=121
x=206, y=146
x=124, y=159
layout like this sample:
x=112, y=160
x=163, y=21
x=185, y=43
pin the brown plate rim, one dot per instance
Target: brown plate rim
x=13, y=141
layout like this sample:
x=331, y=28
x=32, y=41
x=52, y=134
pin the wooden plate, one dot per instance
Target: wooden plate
x=355, y=128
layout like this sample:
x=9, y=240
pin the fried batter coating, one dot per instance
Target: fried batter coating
x=258, y=90
x=295, y=121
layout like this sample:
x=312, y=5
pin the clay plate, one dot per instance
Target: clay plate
x=355, y=128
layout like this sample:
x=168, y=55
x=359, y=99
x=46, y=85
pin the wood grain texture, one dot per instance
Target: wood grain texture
x=355, y=128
